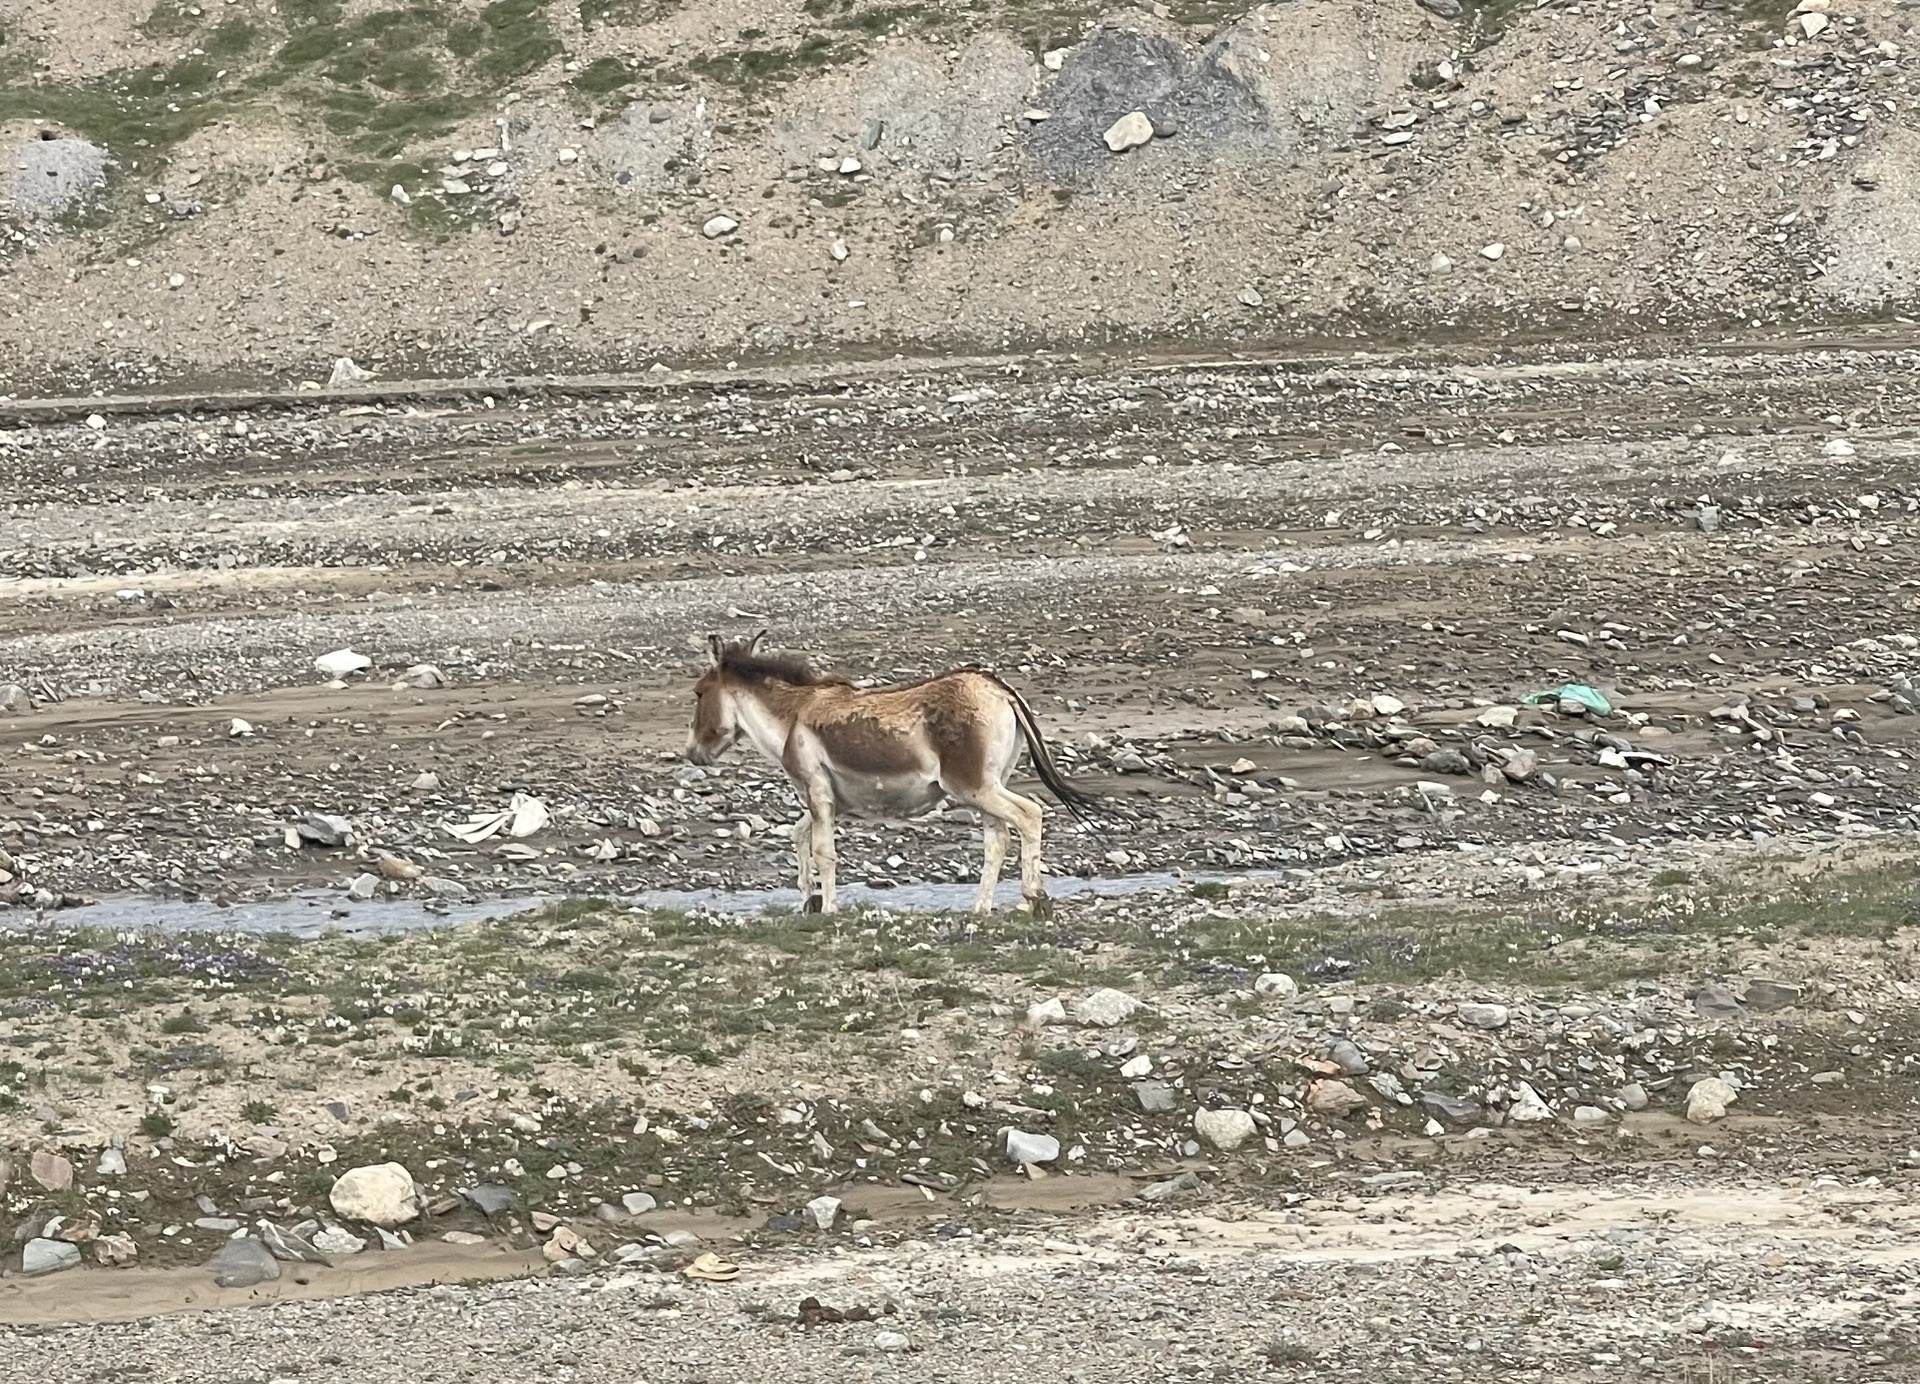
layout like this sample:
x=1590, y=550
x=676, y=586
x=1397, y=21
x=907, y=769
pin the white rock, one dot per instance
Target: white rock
x=379, y=1193
x=335, y=1240
x=825, y=1211
x=1053, y=58
x=400, y=197
x=1024, y=1148
x=345, y=372
x=1708, y=1100
x=341, y=662
x=638, y=1203
x=1493, y=251
x=890, y=1342
x=1130, y=131
x=48, y=1256
x=719, y=226
x=1226, y=1130
x=1137, y=1067
x=1813, y=24
x=1105, y=1008
x=1439, y=264
x=1251, y=297
x=238, y=729
x=1488, y=1016
x=1276, y=985
x=1837, y=447
x=840, y=251
x=1590, y=1114
x=1046, y=1012
x=1384, y=705
x=1527, y=1107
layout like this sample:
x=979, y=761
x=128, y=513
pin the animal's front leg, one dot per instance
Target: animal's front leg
x=993, y=834
x=803, y=849
x=821, y=831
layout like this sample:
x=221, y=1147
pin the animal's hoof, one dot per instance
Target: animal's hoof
x=812, y=905
x=1040, y=906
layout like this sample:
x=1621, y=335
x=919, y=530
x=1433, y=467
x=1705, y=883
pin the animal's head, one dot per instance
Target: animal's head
x=716, y=718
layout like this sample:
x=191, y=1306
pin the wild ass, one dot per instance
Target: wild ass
x=882, y=752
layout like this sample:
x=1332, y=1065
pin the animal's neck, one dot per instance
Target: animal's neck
x=766, y=719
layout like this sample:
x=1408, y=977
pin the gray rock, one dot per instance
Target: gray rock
x=1487, y=1016
x=284, y=1244
x=1716, y=1002
x=491, y=1199
x=387, y=1240
x=1171, y=1188
x=113, y=1162
x=242, y=1263
x=442, y=888
x=364, y=887
x=220, y=1225
x=1445, y=761
x=1130, y=131
x=1528, y=1107
x=1046, y=1012
x=1155, y=1097
x=14, y=699
x=1765, y=996
x=378, y=1193
x=48, y=1256
x=870, y=136
x=1024, y=1148
x=718, y=226
x=1349, y=1058
x=1634, y=1096
x=891, y=1342
x=324, y=829
x=633, y=1203
x=1226, y=1130
x=1446, y=9
x=1443, y=1105
x=1275, y=985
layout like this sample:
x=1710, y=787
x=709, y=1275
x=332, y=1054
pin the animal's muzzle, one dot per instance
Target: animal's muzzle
x=698, y=753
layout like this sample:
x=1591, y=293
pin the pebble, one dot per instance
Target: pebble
x=1136, y=1067
x=336, y=1240
x=1276, y=985
x=1527, y=1106
x=285, y=1244
x=633, y=1203
x=1046, y=1012
x=1333, y=1099
x=1155, y=1097
x=1349, y=1057
x=1634, y=1096
x=1716, y=1002
x=891, y=1342
x=719, y=226
x=1486, y=1016
x=341, y=662
x=462, y=1237
x=53, y=1172
x=1451, y=1108
x=1493, y=251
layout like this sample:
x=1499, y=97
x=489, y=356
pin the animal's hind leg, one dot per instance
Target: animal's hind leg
x=1000, y=804
x=993, y=833
x=803, y=848
x=821, y=833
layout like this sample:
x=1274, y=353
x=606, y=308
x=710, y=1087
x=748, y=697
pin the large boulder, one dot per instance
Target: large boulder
x=378, y=1193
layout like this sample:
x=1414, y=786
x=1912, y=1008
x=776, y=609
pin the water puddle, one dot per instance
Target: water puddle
x=311, y=915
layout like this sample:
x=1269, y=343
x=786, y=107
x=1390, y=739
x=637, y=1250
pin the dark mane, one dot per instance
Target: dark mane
x=793, y=669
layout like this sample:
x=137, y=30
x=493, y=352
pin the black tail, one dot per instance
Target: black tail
x=1083, y=805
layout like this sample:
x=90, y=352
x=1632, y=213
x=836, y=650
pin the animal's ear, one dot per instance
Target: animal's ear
x=714, y=648
x=754, y=643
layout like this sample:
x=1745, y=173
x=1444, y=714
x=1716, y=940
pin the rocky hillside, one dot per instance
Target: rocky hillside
x=243, y=190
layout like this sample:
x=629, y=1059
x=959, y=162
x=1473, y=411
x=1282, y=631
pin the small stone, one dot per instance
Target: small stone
x=341, y=662
x=1498, y=717
x=1634, y=1096
x=1130, y=131
x=53, y=1172
x=1716, y=1002
x=1250, y=297
x=1171, y=1188
x=1333, y=1099
x=427, y=783
x=1765, y=996
x=48, y=1256
x=1105, y=1008
x=1527, y=1106
x=336, y=1240
x=1493, y=251
x=1812, y=25
x=423, y=676
x=364, y=887
x=462, y=1237
x=115, y=1251
x=825, y=1211
x=1024, y=1148
x=346, y=372
x=891, y=1342
x=1708, y=1099
x=1449, y=1107
x=242, y=1263
x=719, y=226
x=1274, y=985
x=1829, y=1078
x=378, y=1193
x=238, y=729
x=1226, y=1130
x=839, y=250
x=113, y=1162
x=1521, y=766
x=1590, y=1114
x=1439, y=264
x=1476, y=1015
x=284, y=1244
x=15, y=700
x=635, y=1203
x=1446, y=761
x=1349, y=1057
x=1136, y=1067
x=393, y=867
x=1155, y=1097
x=1046, y=1012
